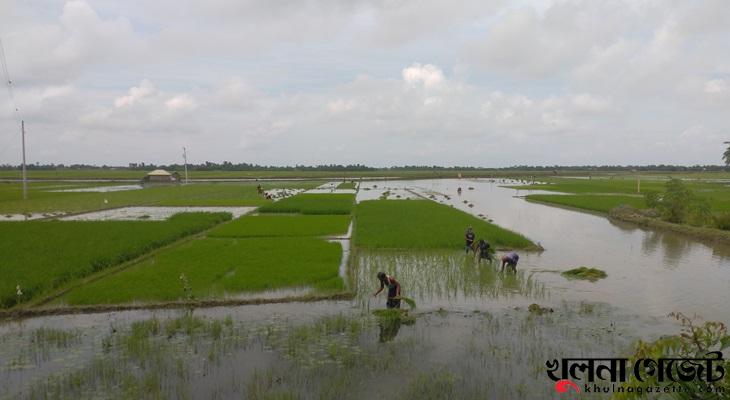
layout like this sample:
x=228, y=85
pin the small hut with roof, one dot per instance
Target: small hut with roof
x=161, y=176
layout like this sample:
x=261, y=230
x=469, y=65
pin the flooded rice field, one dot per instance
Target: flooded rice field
x=151, y=213
x=101, y=189
x=473, y=334
x=651, y=272
x=331, y=351
x=30, y=216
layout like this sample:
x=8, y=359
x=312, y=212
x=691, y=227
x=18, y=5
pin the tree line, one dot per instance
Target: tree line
x=229, y=166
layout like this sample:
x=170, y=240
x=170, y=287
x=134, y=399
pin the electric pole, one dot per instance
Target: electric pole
x=185, y=158
x=25, y=175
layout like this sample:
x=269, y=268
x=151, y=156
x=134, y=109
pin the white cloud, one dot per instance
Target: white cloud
x=183, y=102
x=427, y=75
x=340, y=105
x=135, y=94
x=717, y=86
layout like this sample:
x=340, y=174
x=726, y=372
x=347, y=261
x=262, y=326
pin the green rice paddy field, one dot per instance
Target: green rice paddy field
x=423, y=224
x=41, y=255
x=282, y=247
x=312, y=204
x=347, y=185
x=250, y=254
x=284, y=225
x=42, y=199
x=215, y=267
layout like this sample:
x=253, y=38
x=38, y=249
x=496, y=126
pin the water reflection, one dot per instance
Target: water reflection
x=388, y=329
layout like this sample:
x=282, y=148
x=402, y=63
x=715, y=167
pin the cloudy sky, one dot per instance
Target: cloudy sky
x=383, y=83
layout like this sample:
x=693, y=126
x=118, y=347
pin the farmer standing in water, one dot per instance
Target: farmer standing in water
x=469, y=236
x=510, y=260
x=393, y=289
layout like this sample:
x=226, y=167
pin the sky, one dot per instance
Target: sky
x=382, y=83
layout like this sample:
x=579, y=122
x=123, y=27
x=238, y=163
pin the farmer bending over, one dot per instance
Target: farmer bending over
x=393, y=289
x=510, y=260
x=469, y=236
x=483, y=249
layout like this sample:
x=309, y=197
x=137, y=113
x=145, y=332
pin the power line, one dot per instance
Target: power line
x=9, y=83
x=16, y=112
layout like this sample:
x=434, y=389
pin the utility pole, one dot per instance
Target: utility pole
x=25, y=175
x=185, y=157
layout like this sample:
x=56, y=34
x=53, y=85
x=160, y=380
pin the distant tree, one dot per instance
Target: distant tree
x=726, y=154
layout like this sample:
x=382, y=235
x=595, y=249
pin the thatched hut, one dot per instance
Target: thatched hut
x=161, y=176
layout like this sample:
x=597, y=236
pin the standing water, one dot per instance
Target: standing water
x=651, y=272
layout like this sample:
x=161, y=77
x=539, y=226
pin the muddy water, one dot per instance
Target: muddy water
x=650, y=272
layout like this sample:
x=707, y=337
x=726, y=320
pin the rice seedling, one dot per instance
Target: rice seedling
x=585, y=273
x=284, y=226
x=312, y=203
x=42, y=255
x=446, y=355
x=439, y=276
x=219, y=267
x=394, y=315
x=423, y=224
x=537, y=309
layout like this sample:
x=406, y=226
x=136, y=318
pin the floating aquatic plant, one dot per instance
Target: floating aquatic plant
x=585, y=273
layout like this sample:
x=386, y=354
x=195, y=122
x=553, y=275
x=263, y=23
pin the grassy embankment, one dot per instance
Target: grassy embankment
x=250, y=254
x=589, y=202
x=41, y=255
x=603, y=195
x=42, y=200
x=423, y=224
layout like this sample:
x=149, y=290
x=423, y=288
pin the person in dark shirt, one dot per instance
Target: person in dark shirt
x=510, y=260
x=469, y=236
x=393, y=289
x=483, y=246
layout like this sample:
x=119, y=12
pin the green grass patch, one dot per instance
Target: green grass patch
x=215, y=267
x=716, y=194
x=591, y=202
x=284, y=226
x=41, y=255
x=423, y=224
x=312, y=203
x=347, y=185
x=585, y=273
x=619, y=185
